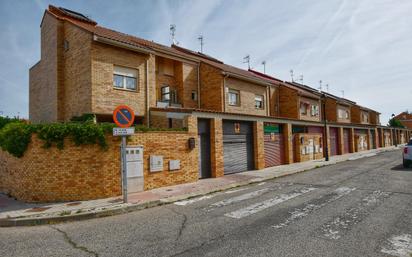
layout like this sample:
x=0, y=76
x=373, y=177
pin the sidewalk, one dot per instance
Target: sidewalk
x=16, y=213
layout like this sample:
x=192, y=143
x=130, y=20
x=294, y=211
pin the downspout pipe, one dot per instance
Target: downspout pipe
x=147, y=94
x=198, y=86
x=224, y=92
x=325, y=127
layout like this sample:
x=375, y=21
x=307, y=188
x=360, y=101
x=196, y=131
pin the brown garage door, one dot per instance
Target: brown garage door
x=346, y=141
x=333, y=135
x=274, y=149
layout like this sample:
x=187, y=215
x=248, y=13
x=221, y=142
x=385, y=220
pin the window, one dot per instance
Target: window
x=233, y=97
x=365, y=117
x=125, y=78
x=343, y=114
x=168, y=94
x=304, y=108
x=259, y=102
x=314, y=111
x=194, y=95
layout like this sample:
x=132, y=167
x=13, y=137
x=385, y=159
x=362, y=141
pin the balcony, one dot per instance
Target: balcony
x=168, y=104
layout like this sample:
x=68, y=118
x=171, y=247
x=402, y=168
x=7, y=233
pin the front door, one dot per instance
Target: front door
x=204, y=148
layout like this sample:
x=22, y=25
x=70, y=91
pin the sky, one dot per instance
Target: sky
x=360, y=47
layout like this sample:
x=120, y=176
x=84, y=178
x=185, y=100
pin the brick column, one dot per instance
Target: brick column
x=328, y=140
x=352, y=143
x=216, y=147
x=287, y=134
x=376, y=138
x=340, y=141
x=191, y=123
x=382, y=137
x=368, y=139
x=259, y=148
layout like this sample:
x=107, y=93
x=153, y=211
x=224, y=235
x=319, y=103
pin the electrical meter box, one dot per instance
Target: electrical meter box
x=134, y=163
x=156, y=163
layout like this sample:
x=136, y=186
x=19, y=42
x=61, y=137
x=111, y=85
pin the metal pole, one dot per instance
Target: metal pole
x=325, y=128
x=124, y=168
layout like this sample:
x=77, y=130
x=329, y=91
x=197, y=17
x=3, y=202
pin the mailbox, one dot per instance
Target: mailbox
x=192, y=143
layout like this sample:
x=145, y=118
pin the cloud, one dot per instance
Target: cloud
x=361, y=47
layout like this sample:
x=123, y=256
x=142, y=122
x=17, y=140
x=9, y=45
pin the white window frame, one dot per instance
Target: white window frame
x=259, y=98
x=125, y=74
x=237, y=98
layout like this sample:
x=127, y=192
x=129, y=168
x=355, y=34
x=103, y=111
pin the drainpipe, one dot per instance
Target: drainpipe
x=224, y=92
x=198, y=86
x=325, y=140
x=267, y=103
x=147, y=94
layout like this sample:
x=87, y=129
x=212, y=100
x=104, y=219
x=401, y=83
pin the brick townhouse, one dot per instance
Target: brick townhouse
x=245, y=119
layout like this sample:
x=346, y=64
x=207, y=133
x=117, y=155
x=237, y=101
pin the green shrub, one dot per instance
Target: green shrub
x=15, y=137
x=6, y=120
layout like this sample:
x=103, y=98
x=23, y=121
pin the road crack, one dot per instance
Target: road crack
x=182, y=225
x=74, y=244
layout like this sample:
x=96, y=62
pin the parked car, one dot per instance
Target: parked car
x=407, y=154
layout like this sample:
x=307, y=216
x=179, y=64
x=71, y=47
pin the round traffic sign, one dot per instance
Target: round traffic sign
x=123, y=116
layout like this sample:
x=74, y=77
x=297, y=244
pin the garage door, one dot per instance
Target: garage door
x=274, y=149
x=237, y=146
x=346, y=140
x=333, y=137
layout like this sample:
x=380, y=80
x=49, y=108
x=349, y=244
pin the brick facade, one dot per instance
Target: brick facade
x=211, y=89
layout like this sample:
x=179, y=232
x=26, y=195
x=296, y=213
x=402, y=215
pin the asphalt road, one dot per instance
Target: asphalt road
x=356, y=208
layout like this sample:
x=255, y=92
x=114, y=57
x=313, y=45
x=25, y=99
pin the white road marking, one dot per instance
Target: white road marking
x=399, y=246
x=257, y=207
x=335, y=228
x=313, y=205
x=193, y=200
x=261, y=183
x=240, y=198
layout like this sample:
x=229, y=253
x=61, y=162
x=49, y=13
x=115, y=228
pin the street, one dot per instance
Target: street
x=355, y=208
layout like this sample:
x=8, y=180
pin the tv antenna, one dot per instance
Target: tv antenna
x=264, y=67
x=172, y=33
x=301, y=79
x=320, y=85
x=200, y=38
x=327, y=88
x=246, y=59
x=291, y=75
x=343, y=93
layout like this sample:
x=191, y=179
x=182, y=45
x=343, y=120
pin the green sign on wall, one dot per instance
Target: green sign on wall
x=272, y=128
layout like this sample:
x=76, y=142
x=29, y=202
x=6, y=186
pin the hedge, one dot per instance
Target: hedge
x=15, y=135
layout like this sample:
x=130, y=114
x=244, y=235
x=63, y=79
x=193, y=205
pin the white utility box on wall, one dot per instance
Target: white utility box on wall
x=134, y=162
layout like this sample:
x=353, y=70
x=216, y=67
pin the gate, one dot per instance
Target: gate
x=203, y=126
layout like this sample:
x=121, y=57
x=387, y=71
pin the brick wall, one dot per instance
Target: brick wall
x=105, y=97
x=273, y=101
x=211, y=88
x=288, y=102
x=331, y=109
x=77, y=96
x=308, y=146
x=74, y=173
x=190, y=83
x=43, y=77
x=247, y=91
x=355, y=114
x=259, y=145
x=87, y=172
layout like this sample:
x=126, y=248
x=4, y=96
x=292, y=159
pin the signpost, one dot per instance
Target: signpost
x=123, y=116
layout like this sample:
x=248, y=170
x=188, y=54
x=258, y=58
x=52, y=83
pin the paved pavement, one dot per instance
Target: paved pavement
x=355, y=208
x=14, y=212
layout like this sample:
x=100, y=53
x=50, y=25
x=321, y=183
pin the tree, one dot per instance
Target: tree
x=395, y=123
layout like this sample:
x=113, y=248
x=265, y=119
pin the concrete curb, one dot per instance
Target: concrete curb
x=33, y=221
